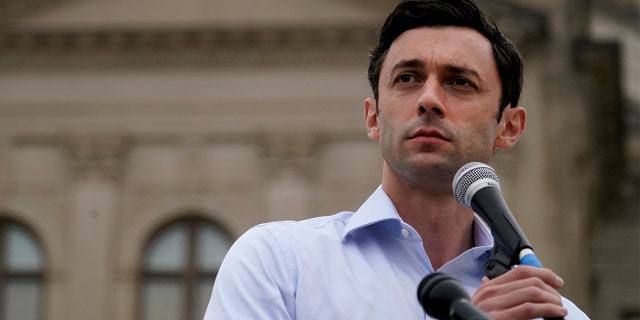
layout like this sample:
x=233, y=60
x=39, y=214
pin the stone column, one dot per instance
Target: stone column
x=96, y=162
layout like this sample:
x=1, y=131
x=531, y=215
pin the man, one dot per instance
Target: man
x=446, y=86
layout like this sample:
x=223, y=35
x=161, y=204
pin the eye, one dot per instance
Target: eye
x=463, y=82
x=405, y=77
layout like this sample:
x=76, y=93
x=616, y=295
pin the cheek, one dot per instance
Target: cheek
x=390, y=136
x=386, y=133
x=479, y=137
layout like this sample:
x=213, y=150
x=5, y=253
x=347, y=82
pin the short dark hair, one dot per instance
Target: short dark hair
x=458, y=13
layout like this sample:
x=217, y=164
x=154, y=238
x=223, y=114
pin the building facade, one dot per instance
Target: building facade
x=139, y=139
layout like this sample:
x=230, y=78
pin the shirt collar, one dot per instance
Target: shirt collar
x=379, y=207
x=481, y=232
x=376, y=209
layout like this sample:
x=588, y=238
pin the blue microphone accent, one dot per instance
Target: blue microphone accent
x=530, y=259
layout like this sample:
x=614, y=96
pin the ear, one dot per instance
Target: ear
x=510, y=127
x=371, y=118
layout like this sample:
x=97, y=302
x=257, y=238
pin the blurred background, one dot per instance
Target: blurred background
x=139, y=139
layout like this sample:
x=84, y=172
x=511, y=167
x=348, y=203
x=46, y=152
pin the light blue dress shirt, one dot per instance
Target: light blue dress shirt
x=362, y=265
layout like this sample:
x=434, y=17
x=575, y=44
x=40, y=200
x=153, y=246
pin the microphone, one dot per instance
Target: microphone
x=476, y=186
x=444, y=298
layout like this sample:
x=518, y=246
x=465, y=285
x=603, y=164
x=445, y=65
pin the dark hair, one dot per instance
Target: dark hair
x=458, y=13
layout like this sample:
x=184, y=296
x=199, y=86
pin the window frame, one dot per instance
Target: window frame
x=189, y=276
x=6, y=275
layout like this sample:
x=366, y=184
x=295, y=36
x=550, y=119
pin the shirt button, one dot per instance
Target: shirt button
x=405, y=232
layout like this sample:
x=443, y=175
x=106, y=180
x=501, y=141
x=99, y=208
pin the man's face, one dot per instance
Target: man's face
x=439, y=93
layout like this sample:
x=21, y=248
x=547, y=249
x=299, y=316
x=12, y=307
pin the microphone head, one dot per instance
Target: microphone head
x=437, y=292
x=472, y=177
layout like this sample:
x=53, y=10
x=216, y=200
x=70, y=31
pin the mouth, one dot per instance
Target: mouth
x=428, y=134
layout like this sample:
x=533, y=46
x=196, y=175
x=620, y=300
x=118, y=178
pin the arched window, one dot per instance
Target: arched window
x=21, y=273
x=179, y=265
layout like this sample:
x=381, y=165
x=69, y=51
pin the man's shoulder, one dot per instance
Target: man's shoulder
x=324, y=225
x=291, y=240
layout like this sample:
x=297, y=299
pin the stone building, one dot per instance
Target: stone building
x=138, y=139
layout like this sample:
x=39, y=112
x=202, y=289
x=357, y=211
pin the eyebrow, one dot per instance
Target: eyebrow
x=462, y=70
x=415, y=63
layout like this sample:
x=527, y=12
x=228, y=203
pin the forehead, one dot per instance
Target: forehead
x=436, y=46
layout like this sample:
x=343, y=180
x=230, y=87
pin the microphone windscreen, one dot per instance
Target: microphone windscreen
x=436, y=293
x=444, y=297
x=470, y=178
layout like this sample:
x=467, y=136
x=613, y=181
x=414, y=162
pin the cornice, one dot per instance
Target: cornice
x=221, y=46
x=197, y=47
x=14, y=9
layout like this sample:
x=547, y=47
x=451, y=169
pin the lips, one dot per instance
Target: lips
x=428, y=134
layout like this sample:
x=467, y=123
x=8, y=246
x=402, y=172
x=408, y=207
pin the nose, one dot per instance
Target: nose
x=431, y=100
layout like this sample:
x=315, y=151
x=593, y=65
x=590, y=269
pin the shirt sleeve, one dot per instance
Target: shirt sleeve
x=574, y=312
x=254, y=281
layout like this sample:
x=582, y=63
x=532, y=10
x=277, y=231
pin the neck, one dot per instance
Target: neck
x=446, y=227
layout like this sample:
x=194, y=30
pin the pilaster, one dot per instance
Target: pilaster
x=96, y=165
